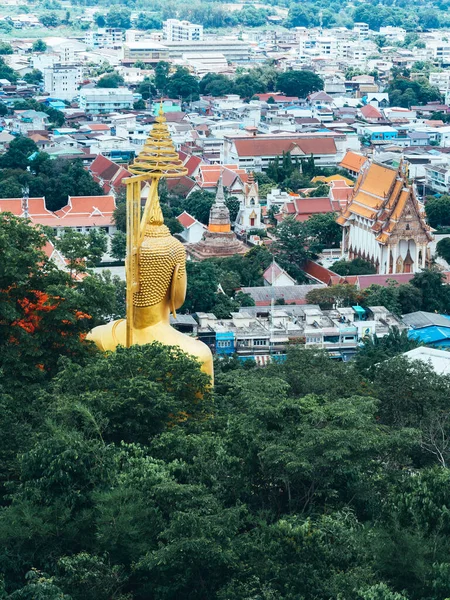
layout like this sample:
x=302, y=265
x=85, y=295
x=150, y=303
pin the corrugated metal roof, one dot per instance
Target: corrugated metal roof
x=430, y=335
x=420, y=319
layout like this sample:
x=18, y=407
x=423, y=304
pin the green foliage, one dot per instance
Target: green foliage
x=182, y=84
x=299, y=83
x=333, y=296
x=119, y=17
x=443, y=249
x=324, y=230
x=34, y=77
x=233, y=204
x=5, y=48
x=82, y=250
x=199, y=204
x=290, y=247
x=54, y=179
x=112, y=80
x=146, y=88
x=438, y=211
x=357, y=266
x=405, y=92
x=139, y=105
x=376, y=350
x=119, y=245
x=39, y=46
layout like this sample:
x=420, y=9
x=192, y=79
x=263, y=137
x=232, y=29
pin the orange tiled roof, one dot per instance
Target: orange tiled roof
x=353, y=161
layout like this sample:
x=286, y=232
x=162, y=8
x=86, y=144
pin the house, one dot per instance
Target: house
x=276, y=276
x=193, y=230
x=303, y=208
x=86, y=212
x=384, y=223
x=29, y=120
x=233, y=178
x=371, y=114
x=108, y=174
x=255, y=152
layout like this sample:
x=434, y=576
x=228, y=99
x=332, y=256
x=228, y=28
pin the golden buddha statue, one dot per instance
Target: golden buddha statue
x=156, y=261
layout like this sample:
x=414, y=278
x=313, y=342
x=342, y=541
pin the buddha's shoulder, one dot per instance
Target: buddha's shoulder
x=108, y=336
x=192, y=346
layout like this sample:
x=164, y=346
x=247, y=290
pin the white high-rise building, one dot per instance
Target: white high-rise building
x=62, y=81
x=182, y=31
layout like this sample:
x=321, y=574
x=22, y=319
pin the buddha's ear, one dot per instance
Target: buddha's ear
x=174, y=290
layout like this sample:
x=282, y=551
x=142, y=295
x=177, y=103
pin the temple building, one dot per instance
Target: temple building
x=218, y=240
x=249, y=215
x=383, y=222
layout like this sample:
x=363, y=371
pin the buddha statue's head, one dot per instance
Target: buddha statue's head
x=162, y=264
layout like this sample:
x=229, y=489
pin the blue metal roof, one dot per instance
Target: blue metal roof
x=430, y=335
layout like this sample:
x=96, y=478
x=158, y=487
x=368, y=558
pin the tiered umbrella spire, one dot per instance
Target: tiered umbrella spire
x=158, y=158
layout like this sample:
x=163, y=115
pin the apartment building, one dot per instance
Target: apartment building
x=263, y=334
x=180, y=31
x=105, y=37
x=106, y=100
x=62, y=81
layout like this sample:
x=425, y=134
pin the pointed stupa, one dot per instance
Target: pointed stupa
x=158, y=158
x=219, y=215
x=220, y=195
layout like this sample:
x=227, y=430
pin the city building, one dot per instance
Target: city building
x=265, y=334
x=384, y=223
x=180, y=31
x=233, y=50
x=106, y=37
x=255, y=152
x=62, y=81
x=146, y=51
x=105, y=100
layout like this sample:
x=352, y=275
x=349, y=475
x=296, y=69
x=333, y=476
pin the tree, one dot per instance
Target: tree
x=119, y=17
x=34, y=77
x=357, y=266
x=443, y=249
x=6, y=72
x=119, y=245
x=199, y=204
x=100, y=20
x=146, y=88
x=438, y=211
x=182, y=84
x=299, y=83
x=5, y=48
x=215, y=84
x=82, y=250
x=203, y=282
x=18, y=154
x=290, y=247
x=139, y=105
x=333, y=296
x=233, y=205
x=324, y=229
x=435, y=295
x=112, y=80
x=49, y=20
x=162, y=70
x=375, y=350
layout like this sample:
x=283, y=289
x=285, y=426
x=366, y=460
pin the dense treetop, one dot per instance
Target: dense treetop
x=124, y=476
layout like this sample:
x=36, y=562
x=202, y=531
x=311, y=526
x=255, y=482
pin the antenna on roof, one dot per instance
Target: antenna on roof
x=25, y=198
